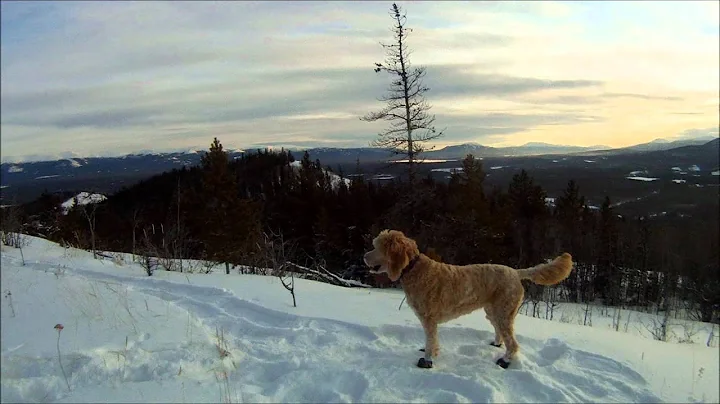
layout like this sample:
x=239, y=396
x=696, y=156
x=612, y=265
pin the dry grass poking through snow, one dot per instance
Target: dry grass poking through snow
x=222, y=369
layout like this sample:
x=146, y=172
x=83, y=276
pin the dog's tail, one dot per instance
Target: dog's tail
x=551, y=273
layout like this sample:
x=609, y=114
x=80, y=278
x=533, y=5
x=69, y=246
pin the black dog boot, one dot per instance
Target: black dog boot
x=496, y=345
x=502, y=363
x=424, y=363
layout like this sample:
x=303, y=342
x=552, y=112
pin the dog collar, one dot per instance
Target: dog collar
x=409, y=266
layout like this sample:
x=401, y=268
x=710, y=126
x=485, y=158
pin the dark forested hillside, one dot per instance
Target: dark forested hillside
x=226, y=210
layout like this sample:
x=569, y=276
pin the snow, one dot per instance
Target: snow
x=694, y=167
x=427, y=161
x=4, y=186
x=83, y=198
x=128, y=337
x=637, y=173
x=550, y=201
x=74, y=163
x=716, y=172
x=589, y=161
x=334, y=178
x=676, y=169
x=679, y=181
x=646, y=179
x=447, y=170
x=15, y=169
x=42, y=177
x=497, y=167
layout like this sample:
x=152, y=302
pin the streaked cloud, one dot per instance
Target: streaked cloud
x=99, y=78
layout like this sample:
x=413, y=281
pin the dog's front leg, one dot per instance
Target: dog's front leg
x=432, y=347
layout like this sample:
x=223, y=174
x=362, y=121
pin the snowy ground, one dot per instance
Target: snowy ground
x=174, y=337
x=83, y=198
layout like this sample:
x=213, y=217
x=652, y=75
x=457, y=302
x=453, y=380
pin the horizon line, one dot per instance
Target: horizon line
x=190, y=150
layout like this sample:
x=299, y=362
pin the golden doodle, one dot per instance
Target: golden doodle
x=439, y=292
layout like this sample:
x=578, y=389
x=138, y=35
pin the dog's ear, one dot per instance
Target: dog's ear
x=398, y=250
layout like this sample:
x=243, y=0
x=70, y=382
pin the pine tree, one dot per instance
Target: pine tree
x=568, y=213
x=527, y=202
x=607, y=280
x=407, y=110
x=232, y=224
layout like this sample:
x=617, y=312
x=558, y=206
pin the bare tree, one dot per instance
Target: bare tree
x=587, y=320
x=277, y=253
x=88, y=211
x=658, y=327
x=135, y=223
x=406, y=107
x=148, y=254
x=11, y=224
x=551, y=302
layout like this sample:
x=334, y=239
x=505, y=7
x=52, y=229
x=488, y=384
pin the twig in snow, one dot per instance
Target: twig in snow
x=8, y=296
x=59, y=328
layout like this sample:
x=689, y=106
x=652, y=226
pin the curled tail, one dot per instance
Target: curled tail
x=551, y=273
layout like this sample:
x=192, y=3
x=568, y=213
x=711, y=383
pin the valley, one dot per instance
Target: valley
x=679, y=181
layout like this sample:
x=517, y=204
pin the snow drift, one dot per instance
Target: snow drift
x=177, y=337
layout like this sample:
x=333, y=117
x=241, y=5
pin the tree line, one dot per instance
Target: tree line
x=223, y=211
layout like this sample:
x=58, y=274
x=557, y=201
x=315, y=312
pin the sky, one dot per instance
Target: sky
x=93, y=78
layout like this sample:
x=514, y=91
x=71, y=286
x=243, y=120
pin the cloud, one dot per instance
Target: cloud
x=698, y=133
x=126, y=76
x=286, y=94
x=641, y=96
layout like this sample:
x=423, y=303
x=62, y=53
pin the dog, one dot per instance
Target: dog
x=439, y=292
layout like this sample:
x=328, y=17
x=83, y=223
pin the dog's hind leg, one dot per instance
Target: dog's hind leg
x=498, y=341
x=506, y=326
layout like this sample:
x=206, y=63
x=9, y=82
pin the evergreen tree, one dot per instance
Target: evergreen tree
x=231, y=224
x=528, y=209
x=568, y=214
x=608, y=277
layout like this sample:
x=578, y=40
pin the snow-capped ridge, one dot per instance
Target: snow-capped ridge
x=83, y=198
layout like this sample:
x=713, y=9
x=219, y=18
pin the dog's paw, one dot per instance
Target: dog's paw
x=502, y=363
x=496, y=345
x=424, y=364
x=421, y=349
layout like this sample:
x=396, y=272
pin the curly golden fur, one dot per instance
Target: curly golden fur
x=438, y=292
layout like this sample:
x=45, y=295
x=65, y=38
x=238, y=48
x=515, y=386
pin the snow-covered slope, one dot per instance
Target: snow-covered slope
x=334, y=178
x=83, y=198
x=177, y=337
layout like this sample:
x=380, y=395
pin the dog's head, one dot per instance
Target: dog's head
x=391, y=252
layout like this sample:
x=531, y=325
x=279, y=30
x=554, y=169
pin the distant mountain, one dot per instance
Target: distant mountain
x=528, y=149
x=708, y=152
x=130, y=167
x=664, y=144
x=330, y=156
x=457, y=152
x=333, y=156
x=539, y=148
